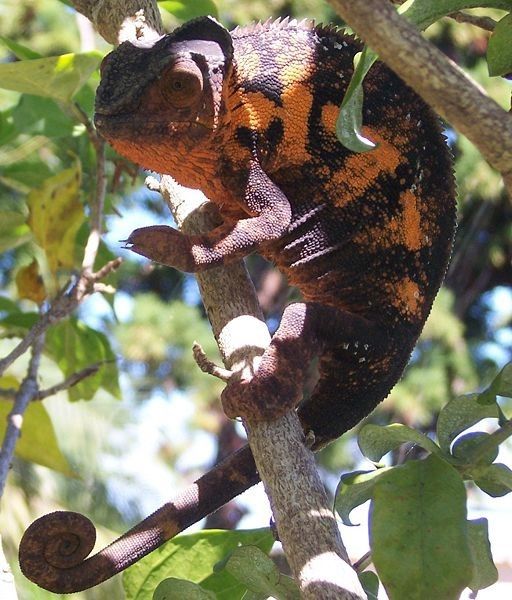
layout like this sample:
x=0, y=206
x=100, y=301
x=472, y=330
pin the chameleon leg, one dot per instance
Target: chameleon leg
x=306, y=330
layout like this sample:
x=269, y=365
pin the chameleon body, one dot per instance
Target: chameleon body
x=249, y=118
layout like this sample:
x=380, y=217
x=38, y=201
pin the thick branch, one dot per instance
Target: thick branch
x=451, y=92
x=319, y=560
x=120, y=20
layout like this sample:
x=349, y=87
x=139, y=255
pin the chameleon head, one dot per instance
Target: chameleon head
x=160, y=105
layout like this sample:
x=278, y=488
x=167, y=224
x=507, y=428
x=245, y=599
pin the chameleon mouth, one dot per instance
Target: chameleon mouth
x=132, y=127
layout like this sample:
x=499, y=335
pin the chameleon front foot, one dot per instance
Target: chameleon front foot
x=162, y=244
x=260, y=398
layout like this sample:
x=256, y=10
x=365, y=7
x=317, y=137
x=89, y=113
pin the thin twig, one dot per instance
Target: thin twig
x=360, y=565
x=208, y=366
x=64, y=304
x=27, y=392
x=483, y=22
x=69, y=382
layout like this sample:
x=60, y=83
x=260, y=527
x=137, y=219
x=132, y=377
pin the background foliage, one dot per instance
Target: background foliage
x=119, y=442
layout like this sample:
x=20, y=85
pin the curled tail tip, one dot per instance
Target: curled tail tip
x=53, y=549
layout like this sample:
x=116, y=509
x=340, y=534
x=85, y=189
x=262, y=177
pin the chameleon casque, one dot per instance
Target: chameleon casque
x=249, y=118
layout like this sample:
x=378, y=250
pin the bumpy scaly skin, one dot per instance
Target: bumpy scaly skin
x=365, y=237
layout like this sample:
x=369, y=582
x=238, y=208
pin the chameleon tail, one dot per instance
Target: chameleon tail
x=53, y=551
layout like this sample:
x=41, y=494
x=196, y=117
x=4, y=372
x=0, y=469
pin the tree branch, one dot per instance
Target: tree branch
x=483, y=22
x=287, y=468
x=119, y=21
x=27, y=392
x=441, y=83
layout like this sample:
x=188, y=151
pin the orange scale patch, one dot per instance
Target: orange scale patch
x=364, y=168
x=297, y=102
x=411, y=221
x=408, y=298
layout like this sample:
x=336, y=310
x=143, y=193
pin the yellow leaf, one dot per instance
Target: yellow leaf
x=55, y=216
x=58, y=77
x=38, y=442
x=9, y=382
x=30, y=283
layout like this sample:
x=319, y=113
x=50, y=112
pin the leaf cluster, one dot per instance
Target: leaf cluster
x=421, y=541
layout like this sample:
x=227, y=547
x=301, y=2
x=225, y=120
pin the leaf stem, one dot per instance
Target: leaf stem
x=490, y=442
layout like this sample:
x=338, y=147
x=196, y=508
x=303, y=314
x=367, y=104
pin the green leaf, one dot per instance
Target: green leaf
x=495, y=480
x=484, y=569
x=355, y=489
x=499, y=50
x=8, y=306
x=460, y=414
x=418, y=531
x=350, y=118
x=20, y=51
x=17, y=324
x=425, y=12
x=258, y=573
x=464, y=447
x=38, y=443
x=177, y=589
x=422, y=13
x=502, y=384
x=13, y=230
x=74, y=346
x=186, y=10
x=370, y=583
x=193, y=557
x=41, y=116
x=375, y=441
x=58, y=77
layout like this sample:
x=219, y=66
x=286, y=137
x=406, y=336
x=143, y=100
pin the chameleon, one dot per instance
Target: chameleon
x=249, y=117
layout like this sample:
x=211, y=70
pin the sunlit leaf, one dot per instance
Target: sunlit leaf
x=259, y=574
x=20, y=51
x=193, y=557
x=425, y=12
x=178, y=589
x=418, y=531
x=353, y=490
x=38, y=442
x=56, y=214
x=75, y=346
x=370, y=583
x=460, y=414
x=484, y=569
x=185, y=10
x=58, y=77
x=375, y=441
x=350, y=118
x=499, y=50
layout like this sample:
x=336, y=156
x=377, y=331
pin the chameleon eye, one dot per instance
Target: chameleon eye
x=184, y=85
